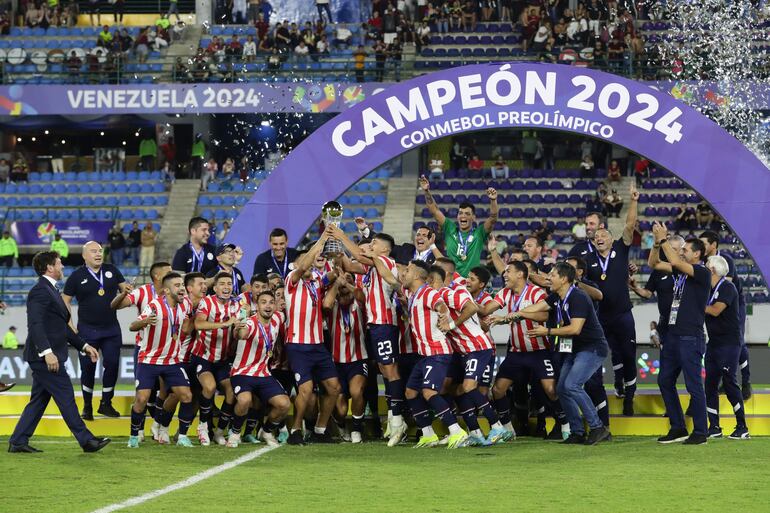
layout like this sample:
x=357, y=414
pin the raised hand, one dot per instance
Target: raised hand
x=424, y=183
x=634, y=192
x=492, y=194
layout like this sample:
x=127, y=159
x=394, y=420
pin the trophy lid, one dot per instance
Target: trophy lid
x=332, y=208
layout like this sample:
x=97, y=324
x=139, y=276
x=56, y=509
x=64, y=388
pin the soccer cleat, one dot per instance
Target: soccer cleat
x=715, y=432
x=397, y=433
x=251, y=439
x=556, y=433
x=283, y=435
x=444, y=441
x=154, y=429
x=141, y=436
x=476, y=441
x=597, y=435
x=107, y=410
x=296, y=438
x=673, y=436
x=203, y=434
x=386, y=433
x=740, y=433
x=344, y=435
x=183, y=441
x=355, y=437
x=427, y=441
x=321, y=438
x=133, y=442
x=499, y=435
x=219, y=437
x=746, y=391
x=268, y=438
x=457, y=440
x=694, y=439
x=163, y=437
x=233, y=440
x=574, y=439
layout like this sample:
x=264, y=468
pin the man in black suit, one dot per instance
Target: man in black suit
x=49, y=328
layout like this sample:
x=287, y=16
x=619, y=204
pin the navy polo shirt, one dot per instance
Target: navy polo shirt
x=582, y=249
x=662, y=285
x=183, y=259
x=733, y=274
x=616, y=299
x=724, y=329
x=266, y=264
x=692, y=304
x=579, y=305
x=594, y=285
x=238, y=281
x=93, y=309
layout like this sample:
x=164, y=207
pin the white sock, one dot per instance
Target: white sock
x=497, y=425
x=397, y=420
x=319, y=430
x=390, y=415
x=428, y=431
x=294, y=430
x=477, y=432
x=455, y=429
x=508, y=426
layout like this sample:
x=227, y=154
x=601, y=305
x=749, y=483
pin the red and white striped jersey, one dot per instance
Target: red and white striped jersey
x=482, y=299
x=213, y=345
x=160, y=341
x=380, y=308
x=247, y=301
x=253, y=352
x=348, y=332
x=279, y=360
x=519, y=342
x=467, y=337
x=458, y=281
x=187, y=341
x=141, y=297
x=407, y=343
x=424, y=321
x=304, y=324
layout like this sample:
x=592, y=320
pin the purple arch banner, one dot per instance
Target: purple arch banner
x=518, y=95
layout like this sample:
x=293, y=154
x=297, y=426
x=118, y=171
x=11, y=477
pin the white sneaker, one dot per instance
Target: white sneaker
x=219, y=436
x=444, y=441
x=155, y=429
x=268, y=438
x=344, y=435
x=355, y=437
x=233, y=440
x=141, y=436
x=203, y=434
x=163, y=436
x=397, y=433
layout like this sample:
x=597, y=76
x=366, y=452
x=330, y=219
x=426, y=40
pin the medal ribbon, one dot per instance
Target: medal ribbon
x=604, y=262
x=173, y=317
x=716, y=289
x=197, y=259
x=463, y=243
x=560, y=307
x=267, y=336
x=679, y=285
x=517, y=303
x=346, y=318
x=99, y=278
x=285, y=270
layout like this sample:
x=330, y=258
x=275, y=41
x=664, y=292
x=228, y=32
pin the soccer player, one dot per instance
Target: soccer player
x=214, y=321
x=251, y=374
x=373, y=261
x=473, y=353
x=161, y=322
x=427, y=378
x=226, y=264
x=346, y=308
x=723, y=349
x=308, y=358
x=526, y=355
x=685, y=346
x=582, y=339
x=478, y=278
x=258, y=283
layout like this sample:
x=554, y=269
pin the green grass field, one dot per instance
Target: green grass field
x=629, y=474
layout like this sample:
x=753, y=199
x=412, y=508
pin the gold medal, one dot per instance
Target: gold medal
x=463, y=257
x=101, y=292
x=603, y=276
x=347, y=329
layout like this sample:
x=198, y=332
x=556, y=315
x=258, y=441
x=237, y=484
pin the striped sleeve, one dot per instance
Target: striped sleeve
x=500, y=298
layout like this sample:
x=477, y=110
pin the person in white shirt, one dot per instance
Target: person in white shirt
x=342, y=36
x=436, y=167
x=249, y=49
x=322, y=46
x=301, y=52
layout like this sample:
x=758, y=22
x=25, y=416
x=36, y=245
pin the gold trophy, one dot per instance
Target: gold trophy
x=331, y=213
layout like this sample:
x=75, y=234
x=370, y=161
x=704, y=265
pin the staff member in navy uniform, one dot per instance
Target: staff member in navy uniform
x=196, y=255
x=226, y=264
x=95, y=285
x=685, y=342
x=723, y=349
x=608, y=268
x=711, y=240
x=279, y=258
x=594, y=221
x=49, y=328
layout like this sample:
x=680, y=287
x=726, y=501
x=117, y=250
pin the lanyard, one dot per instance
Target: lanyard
x=99, y=278
x=463, y=242
x=480, y=297
x=236, y=285
x=517, y=303
x=604, y=263
x=346, y=318
x=311, y=288
x=411, y=299
x=560, y=304
x=679, y=285
x=285, y=270
x=716, y=290
x=172, y=317
x=266, y=335
x=197, y=258
x=367, y=277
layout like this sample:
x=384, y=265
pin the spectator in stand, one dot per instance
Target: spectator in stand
x=436, y=167
x=168, y=150
x=641, y=169
x=244, y=169
x=375, y=22
x=57, y=157
x=216, y=49
x=148, y=150
x=222, y=234
x=60, y=246
x=469, y=16
x=173, y=8
x=302, y=52
x=488, y=9
x=228, y=168
x=249, y=49
x=500, y=169
x=118, y=6
x=380, y=56
x=395, y=56
x=439, y=14
x=530, y=22
x=105, y=37
x=239, y=12
x=5, y=171
x=198, y=155
x=615, y=49
x=209, y=174
x=529, y=149
x=475, y=167
x=342, y=37
x=134, y=242
x=323, y=6
x=423, y=36
x=5, y=24
x=263, y=27
x=117, y=243
x=142, y=44
x=456, y=16
x=74, y=63
x=282, y=36
x=20, y=170
x=542, y=36
x=359, y=56
x=704, y=215
x=635, y=250
x=322, y=46
x=34, y=15
x=9, y=251
x=234, y=49
x=579, y=229
x=389, y=24
x=613, y=203
x=266, y=45
x=685, y=219
x=169, y=174
x=614, y=172
x=587, y=167
x=147, y=251
x=274, y=60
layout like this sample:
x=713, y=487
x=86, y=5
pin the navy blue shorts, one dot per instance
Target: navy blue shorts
x=265, y=387
x=476, y=366
x=285, y=378
x=430, y=372
x=310, y=362
x=173, y=376
x=406, y=363
x=189, y=368
x=537, y=362
x=347, y=371
x=383, y=343
x=220, y=370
